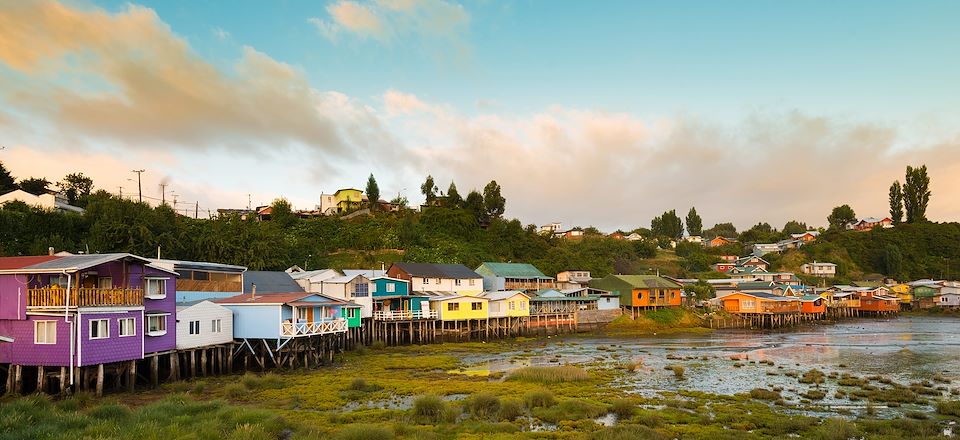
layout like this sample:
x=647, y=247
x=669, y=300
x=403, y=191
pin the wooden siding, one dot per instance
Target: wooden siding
x=52, y=297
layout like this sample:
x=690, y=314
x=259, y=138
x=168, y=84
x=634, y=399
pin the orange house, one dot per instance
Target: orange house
x=813, y=304
x=760, y=303
x=720, y=241
x=873, y=301
x=641, y=291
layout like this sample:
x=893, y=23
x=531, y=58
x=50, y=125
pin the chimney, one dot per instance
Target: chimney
x=50, y=251
x=253, y=290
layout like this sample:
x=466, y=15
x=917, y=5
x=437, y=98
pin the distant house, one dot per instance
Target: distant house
x=312, y=280
x=267, y=281
x=789, y=244
x=949, y=300
x=639, y=292
x=198, y=280
x=878, y=300
x=729, y=258
x=352, y=286
x=429, y=277
x=573, y=234
x=49, y=201
x=819, y=269
x=507, y=303
x=812, y=305
x=343, y=201
x=720, y=241
x=753, y=261
x=513, y=276
x=760, y=303
x=634, y=237
x=203, y=323
x=694, y=239
x=617, y=235
x=554, y=302
x=722, y=267
x=572, y=279
x=869, y=223
x=454, y=307
x=761, y=249
x=806, y=237
x=551, y=228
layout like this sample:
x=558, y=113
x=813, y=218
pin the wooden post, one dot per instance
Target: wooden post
x=99, y=380
x=132, y=376
x=63, y=380
x=41, y=381
x=155, y=369
x=18, y=379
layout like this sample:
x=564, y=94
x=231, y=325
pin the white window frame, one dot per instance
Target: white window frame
x=146, y=287
x=162, y=318
x=104, y=324
x=132, y=327
x=457, y=282
x=216, y=325
x=45, y=325
x=391, y=287
x=425, y=281
x=194, y=327
x=473, y=282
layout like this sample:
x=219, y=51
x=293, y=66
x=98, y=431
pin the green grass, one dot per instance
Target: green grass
x=365, y=432
x=563, y=373
x=539, y=399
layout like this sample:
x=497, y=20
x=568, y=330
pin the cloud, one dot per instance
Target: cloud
x=129, y=79
x=386, y=20
x=221, y=34
x=615, y=170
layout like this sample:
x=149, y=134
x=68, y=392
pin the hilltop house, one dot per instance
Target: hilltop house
x=429, y=277
x=806, y=237
x=81, y=310
x=719, y=241
x=869, y=223
x=761, y=249
x=49, y=201
x=513, y=276
x=572, y=279
x=819, y=269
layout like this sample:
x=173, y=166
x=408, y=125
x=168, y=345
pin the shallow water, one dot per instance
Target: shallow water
x=905, y=349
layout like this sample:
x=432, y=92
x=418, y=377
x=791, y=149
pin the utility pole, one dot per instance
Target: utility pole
x=163, y=195
x=139, y=187
x=248, y=202
x=121, y=192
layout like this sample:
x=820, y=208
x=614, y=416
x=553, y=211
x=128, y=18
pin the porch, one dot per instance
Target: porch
x=304, y=328
x=58, y=297
x=404, y=315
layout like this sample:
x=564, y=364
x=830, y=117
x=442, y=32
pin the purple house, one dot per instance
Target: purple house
x=81, y=310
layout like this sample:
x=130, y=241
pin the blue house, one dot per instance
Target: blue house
x=282, y=316
x=393, y=300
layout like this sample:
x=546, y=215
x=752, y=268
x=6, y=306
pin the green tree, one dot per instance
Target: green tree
x=721, y=230
x=840, y=216
x=77, y=188
x=35, y=185
x=667, y=225
x=281, y=212
x=795, y=227
x=373, y=193
x=701, y=290
x=453, y=197
x=892, y=260
x=916, y=194
x=494, y=203
x=475, y=204
x=7, y=183
x=694, y=223
x=896, y=202
x=429, y=190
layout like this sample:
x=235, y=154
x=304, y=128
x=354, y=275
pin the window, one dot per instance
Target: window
x=453, y=307
x=128, y=327
x=156, y=288
x=215, y=326
x=426, y=281
x=639, y=295
x=361, y=290
x=302, y=314
x=199, y=275
x=194, y=327
x=105, y=282
x=185, y=274
x=45, y=332
x=156, y=325
x=391, y=288
x=473, y=282
x=523, y=305
x=476, y=306
x=748, y=304
x=99, y=328
x=438, y=280
x=456, y=282
x=513, y=305
x=58, y=280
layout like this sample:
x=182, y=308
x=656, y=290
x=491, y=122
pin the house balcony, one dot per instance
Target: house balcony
x=780, y=307
x=404, y=315
x=54, y=297
x=528, y=284
x=297, y=329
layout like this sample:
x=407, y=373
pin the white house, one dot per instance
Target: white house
x=822, y=270
x=203, y=323
x=49, y=201
x=353, y=285
x=312, y=280
x=951, y=300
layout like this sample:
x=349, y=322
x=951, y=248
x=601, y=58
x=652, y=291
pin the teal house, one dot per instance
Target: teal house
x=393, y=300
x=513, y=276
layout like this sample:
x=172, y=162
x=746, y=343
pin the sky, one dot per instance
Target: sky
x=604, y=114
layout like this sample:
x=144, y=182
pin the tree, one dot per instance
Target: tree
x=700, y=291
x=916, y=194
x=667, y=225
x=35, y=185
x=896, y=202
x=281, y=212
x=475, y=204
x=694, y=223
x=77, y=188
x=453, y=197
x=400, y=202
x=721, y=230
x=373, y=193
x=760, y=233
x=429, y=190
x=840, y=216
x=795, y=227
x=493, y=201
x=892, y=260
x=7, y=183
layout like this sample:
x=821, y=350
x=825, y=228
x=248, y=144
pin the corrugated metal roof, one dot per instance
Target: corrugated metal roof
x=502, y=294
x=266, y=298
x=648, y=281
x=513, y=270
x=73, y=262
x=10, y=263
x=431, y=270
x=369, y=273
x=269, y=282
x=200, y=265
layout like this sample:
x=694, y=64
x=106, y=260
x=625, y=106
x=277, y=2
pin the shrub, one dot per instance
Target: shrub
x=623, y=408
x=365, y=432
x=628, y=432
x=678, y=370
x=482, y=406
x=813, y=376
x=648, y=418
x=815, y=394
x=234, y=390
x=429, y=408
x=539, y=399
x=764, y=394
x=949, y=407
x=110, y=411
x=250, y=381
x=563, y=373
x=360, y=384
x=510, y=409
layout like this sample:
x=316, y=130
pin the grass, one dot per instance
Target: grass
x=563, y=373
x=429, y=408
x=677, y=370
x=764, y=394
x=812, y=377
x=365, y=431
x=573, y=409
x=665, y=320
x=482, y=406
x=949, y=407
x=542, y=398
x=623, y=408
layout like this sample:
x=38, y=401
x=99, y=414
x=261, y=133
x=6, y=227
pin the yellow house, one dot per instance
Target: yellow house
x=348, y=199
x=459, y=307
x=903, y=292
x=512, y=303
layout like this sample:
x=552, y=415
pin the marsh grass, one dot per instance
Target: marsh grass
x=678, y=370
x=628, y=432
x=949, y=407
x=573, y=409
x=814, y=376
x=510, y=409
x=542, y=398
x=623, y=408
x=562, y=373
x=764, y=394
x=482, y=406
x=365, y=432
x=234, y=390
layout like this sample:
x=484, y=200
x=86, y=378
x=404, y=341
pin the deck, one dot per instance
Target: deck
x=297, y=329
x=58, y=297
x=404, y=315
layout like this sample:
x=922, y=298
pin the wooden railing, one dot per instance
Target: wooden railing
x=209, y=286
x=52, y=297
x=404, y=315
x=294, y=329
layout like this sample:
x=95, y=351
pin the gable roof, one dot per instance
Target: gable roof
x=648, y=281
x=512, y=270
x=268, y=281
x=68, y=263
x=369, y=273
x=266, y=298
x=431, y=270
x=502, y=294
x=199, y=265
